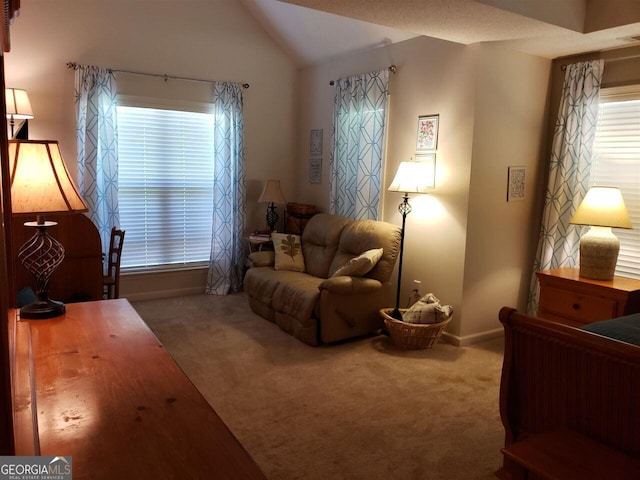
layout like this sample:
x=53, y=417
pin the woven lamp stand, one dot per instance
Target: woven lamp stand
x=41, y=255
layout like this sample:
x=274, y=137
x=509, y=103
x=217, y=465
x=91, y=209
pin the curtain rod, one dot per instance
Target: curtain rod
x=608, y=60
x=392, y=69
x=165, y=77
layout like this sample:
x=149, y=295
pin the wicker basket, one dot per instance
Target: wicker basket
x=413, y=336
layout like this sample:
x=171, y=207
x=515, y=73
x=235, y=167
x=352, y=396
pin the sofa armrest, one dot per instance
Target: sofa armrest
x=265, y=258
x=345, y=285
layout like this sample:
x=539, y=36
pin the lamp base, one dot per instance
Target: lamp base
x=43, y=309
x=41, y=255
x=272, y=216
x=599, y=249
x=396, y=314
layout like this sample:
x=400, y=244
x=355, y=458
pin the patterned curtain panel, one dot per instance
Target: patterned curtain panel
x=358, y=143
x=569, y=169
x=229, y=192
x=97, y=133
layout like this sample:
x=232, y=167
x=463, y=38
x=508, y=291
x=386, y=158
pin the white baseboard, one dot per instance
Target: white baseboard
x=471, y=339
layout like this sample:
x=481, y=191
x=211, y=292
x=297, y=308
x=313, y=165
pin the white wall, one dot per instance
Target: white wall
x=510, y=106
x=213, y=39
x=491, y=104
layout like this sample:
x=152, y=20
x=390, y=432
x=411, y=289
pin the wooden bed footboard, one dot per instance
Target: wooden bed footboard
x=555, y=376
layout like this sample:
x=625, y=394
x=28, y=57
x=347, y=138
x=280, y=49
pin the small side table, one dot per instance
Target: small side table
x=568, y=298
x=257, y=243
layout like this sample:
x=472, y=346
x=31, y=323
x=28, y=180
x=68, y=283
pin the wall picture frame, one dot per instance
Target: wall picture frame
x=315, y=170
x=315, y=143
x=430, y=160
x=515, y=183
x=427, y=135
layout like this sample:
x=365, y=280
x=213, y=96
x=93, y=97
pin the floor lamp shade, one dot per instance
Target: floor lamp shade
x=601, y=209
x=413, y=177
x=271, y=194
x=40, y=184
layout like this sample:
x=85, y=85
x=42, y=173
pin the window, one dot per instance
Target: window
x=616, y=162
x=165, y=170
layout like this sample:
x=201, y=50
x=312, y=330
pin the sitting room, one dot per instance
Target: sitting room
x=322, y=208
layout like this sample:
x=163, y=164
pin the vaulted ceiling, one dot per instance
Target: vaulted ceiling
x=315, y=31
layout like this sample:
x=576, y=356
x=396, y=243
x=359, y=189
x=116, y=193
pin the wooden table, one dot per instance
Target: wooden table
x=103, y=390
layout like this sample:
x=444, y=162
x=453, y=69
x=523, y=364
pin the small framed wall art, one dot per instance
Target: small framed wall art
x=315, y=143
x=427, y=138
x=515, y=183
x=315, y=170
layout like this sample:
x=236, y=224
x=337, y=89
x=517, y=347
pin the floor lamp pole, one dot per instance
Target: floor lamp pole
x=404, y=208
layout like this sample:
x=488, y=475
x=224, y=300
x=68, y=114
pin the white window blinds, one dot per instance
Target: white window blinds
x=616, y=162
x=165, y=170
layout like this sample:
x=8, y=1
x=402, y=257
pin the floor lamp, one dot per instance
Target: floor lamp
x=411, y=177
x=40, y=183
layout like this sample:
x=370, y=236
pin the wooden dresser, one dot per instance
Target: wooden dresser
x=567, y=298
x=97, y=385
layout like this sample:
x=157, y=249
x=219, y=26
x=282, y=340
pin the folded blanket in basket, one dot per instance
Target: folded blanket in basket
x=427, y=310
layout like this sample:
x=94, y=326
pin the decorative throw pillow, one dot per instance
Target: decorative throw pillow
x=288, y=251
x=427, y=310
x=360, y=265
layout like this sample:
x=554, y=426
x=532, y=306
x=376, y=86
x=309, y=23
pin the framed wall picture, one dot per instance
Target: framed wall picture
x=315, y=170
x=427, y=138
x=430, y=160
x=315, y=143
x=515, y=183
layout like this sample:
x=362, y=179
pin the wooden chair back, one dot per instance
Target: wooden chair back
x=111, y=280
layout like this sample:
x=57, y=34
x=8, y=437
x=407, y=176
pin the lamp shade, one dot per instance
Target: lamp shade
x=18, y=104
x=413, y=177
x=602, y=207
x=40, y=182
x=271, y=193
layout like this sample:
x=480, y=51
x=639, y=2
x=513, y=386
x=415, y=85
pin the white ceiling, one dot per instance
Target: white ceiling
x=548, y=28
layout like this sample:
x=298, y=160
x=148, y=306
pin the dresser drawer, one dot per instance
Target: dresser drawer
x=575, y=306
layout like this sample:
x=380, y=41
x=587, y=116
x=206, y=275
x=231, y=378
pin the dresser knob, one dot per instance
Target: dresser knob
x=576, y=306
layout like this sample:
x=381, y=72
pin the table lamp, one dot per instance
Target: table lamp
x=601, y=209
x=40, y=183
x=18, y=106
x=271, y=194
x=411, y=177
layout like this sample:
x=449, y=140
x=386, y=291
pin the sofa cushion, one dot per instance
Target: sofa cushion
x=288, y=252
x=362, y=235
x=297, y=295
x=320, y=242
x=360, y=265
x=261, y=282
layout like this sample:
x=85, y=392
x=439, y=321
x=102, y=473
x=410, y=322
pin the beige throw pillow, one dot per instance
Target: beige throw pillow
x=288, y=250
x=360, y=265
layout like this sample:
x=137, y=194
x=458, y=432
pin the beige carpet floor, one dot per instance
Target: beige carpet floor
x=362, y=409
